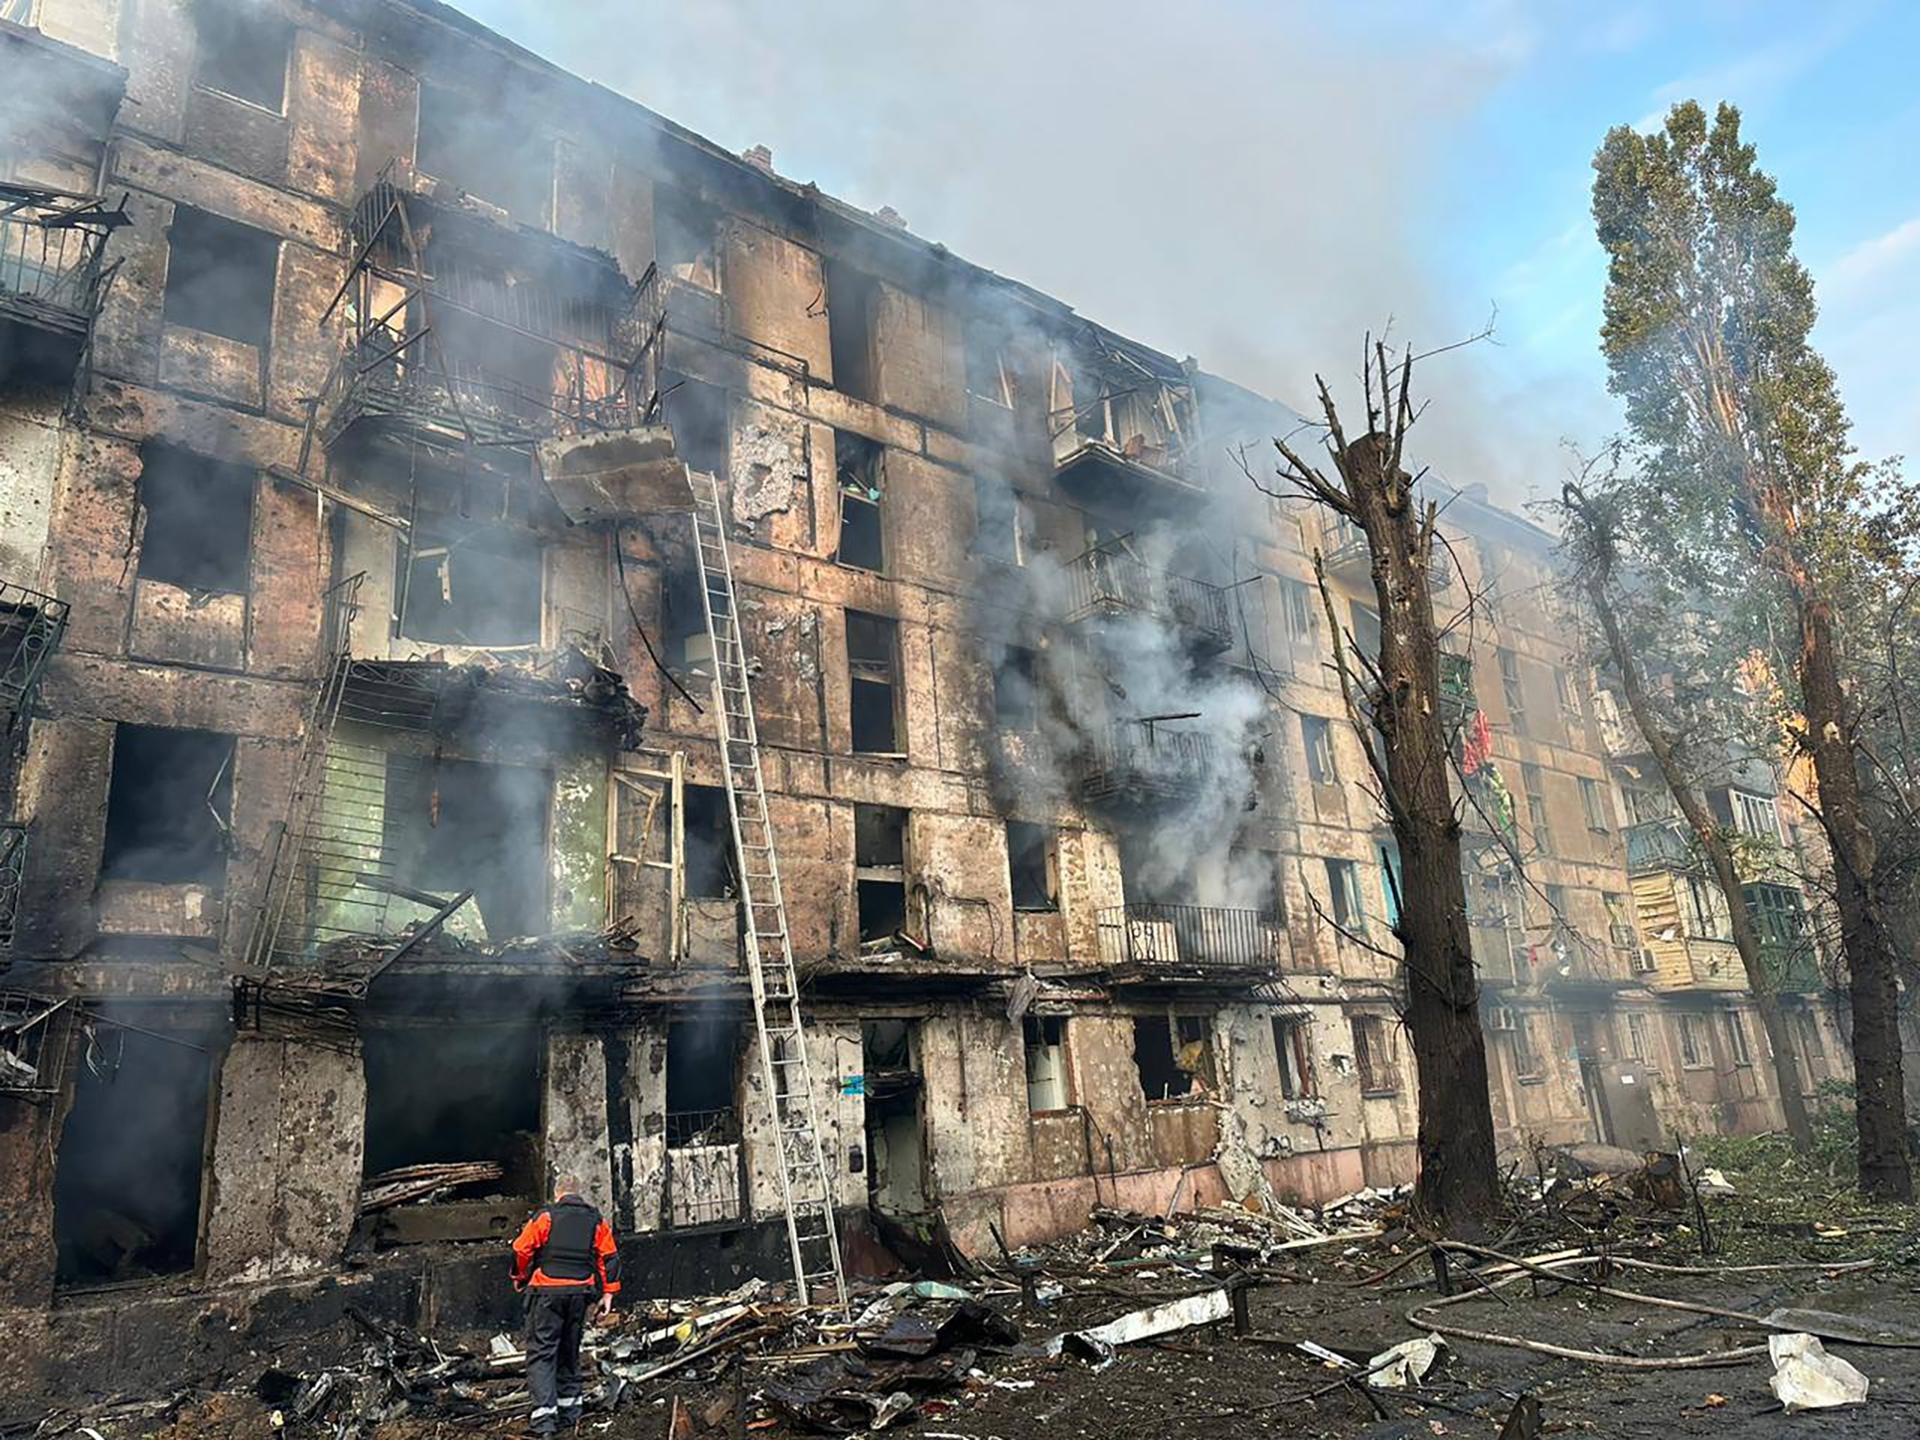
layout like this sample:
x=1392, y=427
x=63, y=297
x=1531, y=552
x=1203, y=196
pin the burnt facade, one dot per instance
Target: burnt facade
x=366, y=807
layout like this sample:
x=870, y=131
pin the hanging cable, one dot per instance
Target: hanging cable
x=620, y=559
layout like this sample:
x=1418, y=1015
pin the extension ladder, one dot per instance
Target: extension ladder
x=806, y=1184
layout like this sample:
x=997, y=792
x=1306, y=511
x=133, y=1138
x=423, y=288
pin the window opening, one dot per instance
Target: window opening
x=1373, y=1055
x=1003, y=524
x=1292, y=1047
x=880, y=872
x=1317, y=733
x=989, y=377
x=851, y=297
x=1031, y=860
x=1046, y=1042
x=477, y=143
x=199, y=520
x=703, y=1064
x=241, y=51
x=1694, y=1050
x=453, y=825
x=169, y=806
x=1016, y=689
x=449, y=1093
x=469, y=586
x=873, y=663
x=220, y=277
x=126, y=1190
x=1594, y=805
x=1161, y=1077
x=1512, y=690
x=1343, y=885
x=685, y=238
x=709, y=844
x=696, y=413
x=860, y=466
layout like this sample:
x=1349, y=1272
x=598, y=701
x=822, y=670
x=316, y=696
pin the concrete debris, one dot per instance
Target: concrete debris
x=1806, y=1377
x=1098, y=1343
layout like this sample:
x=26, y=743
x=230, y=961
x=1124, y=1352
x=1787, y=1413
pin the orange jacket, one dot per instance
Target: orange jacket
x=532, y=1240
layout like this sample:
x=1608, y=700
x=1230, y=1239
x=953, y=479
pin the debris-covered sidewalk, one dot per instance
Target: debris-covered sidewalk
x=1613, y=1302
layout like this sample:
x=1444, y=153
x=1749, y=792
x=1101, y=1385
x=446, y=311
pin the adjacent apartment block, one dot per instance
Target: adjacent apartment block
x=364, y=806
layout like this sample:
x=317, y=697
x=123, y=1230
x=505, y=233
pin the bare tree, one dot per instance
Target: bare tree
x=1594, y=545
x=1393, y=701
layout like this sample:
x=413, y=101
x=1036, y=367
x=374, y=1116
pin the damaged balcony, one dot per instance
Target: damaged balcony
x=1345, y=552
x=1124, y=426
x=1135, y=762
x=1153, y=943
x=53, y=276
x=475, y=338
x=1105, y=583
x=1664, y=844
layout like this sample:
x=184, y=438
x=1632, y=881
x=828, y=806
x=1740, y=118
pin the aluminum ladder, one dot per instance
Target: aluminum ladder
x=806, y=1185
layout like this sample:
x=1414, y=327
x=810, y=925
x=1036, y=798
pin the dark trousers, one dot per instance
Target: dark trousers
x=555, y=1321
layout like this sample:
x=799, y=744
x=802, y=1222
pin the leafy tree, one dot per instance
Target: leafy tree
x=1743, y=465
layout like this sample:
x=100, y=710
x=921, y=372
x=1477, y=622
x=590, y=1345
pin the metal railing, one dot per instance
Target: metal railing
x=31, y=625
x=1132, y=759
x=1102, y=582
x=1205, y=938
x=1660, y=845
x=13, y=865
x=1499, y=949
x=1344, y=547
x=52, y=252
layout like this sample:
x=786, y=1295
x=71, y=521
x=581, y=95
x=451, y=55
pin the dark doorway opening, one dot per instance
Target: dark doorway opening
x=454, y=825
x=126, y=1190
x=168, y=804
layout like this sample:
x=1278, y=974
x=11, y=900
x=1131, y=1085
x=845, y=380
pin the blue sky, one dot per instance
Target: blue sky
x=1257, y=184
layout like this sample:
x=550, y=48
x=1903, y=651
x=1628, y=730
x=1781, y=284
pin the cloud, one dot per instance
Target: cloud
x=1869, y=261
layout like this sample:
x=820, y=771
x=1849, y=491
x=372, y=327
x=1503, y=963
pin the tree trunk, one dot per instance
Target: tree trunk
x=1713, y=842
x=1879, y=1100
x=1458, y=1177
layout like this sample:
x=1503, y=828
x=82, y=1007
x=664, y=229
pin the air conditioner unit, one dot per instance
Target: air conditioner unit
x=1503, y=1017
x=1647, y=964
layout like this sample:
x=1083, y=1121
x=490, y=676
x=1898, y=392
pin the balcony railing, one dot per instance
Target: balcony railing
x=1102, y=582
x=52, y=251
x=1136, y=761
x=1168, y=941
x=1499, y=949
x=13, y=865
x=1659, y=845
x=31, y=625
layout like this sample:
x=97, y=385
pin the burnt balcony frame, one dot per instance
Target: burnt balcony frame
x=1160, y=942
x=31, y=625
x=1103, y=582
x=1133, y=761
x=53, y=272
x=1091, y=454
x=1664, y=844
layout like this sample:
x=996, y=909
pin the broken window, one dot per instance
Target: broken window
x=475, y=143
x=1373, y=1055
x=1298, y=611
x=1736, y=1037
x=1046, y=1042
x=1512, y=690
x=450, y=1093
x=1161, y=1078
x=1707, y=914
x=453, y=825
x=1343, y=885
x=1696, y=1052
x=880, y=871
x=126, y=1187
x=220, y=277
x=1366, y=633
x=1016, y=689
x=1003, y=525
x=242, y=51
x=685, y=235
x=199, y=517
x=860, y=469
x=1534, y=783
x=708, y=834
x=1637, y=1036
x=1594, y=805
x=469, y=585
x=697, y=414
x=684, y=616
x=1317, y=732
x=873, y=648
x=1755, y=815
x=703, y=1063
x=1390, y=882
x=1031, y=860
x=851, y=295
x=1292, y=1048
x=989, y=377
x=1526, y=1054
x=1569, y=697
x=168, y=806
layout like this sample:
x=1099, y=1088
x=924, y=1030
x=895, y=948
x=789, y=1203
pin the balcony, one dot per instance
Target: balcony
x=13, y=864
x=475, y=337
x=53, y=277
x=1138, y=762
x=1345, y=552
x=1104, y=584
x=1660, y=845
x=1124, y=429
x=1499, y=950
x=1191, y=943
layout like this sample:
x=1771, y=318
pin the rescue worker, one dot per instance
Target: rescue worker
x=564, y=1258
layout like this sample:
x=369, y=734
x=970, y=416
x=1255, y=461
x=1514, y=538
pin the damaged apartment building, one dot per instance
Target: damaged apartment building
x=370, y=856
